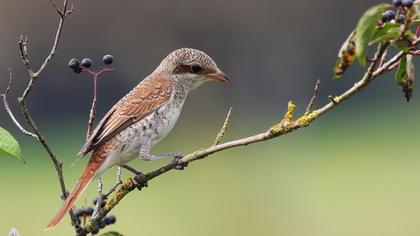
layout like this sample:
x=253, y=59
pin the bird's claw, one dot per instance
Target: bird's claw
x=177, y=164
x=140, y=181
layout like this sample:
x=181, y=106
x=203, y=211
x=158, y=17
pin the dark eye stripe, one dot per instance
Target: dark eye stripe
x=181, y=69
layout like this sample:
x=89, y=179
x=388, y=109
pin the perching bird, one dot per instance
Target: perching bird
x=143, y=117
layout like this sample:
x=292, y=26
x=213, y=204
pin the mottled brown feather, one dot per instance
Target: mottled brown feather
x=146, y=97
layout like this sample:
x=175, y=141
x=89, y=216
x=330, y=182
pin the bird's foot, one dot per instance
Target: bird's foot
x=141, y=182
x=178, y=165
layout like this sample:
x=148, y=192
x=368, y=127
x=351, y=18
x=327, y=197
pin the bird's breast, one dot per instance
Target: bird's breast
x=152, y=128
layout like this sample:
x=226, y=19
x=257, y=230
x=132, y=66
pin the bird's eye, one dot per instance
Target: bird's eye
x=195, y=68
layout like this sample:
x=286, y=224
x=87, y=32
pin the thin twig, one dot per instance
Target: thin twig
x=55, y=43
x=60, y=13
x=9, y=111
x=383, y=58
x=393, y=62
x=23, y=43
x=333, y=99
x=222, y=131
x=68, y=12
x=314, y=97
x=23, y=49
x=92, y=113
x=132, y=169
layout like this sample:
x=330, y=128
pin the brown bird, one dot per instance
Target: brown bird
x=143, y=117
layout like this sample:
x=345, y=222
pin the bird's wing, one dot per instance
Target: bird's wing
x=145, y=98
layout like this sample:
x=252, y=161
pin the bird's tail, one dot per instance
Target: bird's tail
x=84, y=180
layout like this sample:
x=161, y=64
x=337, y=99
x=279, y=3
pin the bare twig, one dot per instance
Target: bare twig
x=393, y=62
x=23, y=43
x=9, y=111
x=383, y=58
x=92, y=113
x=132, y=169
x=222, y=131
x=68, y=12
x=314, y=97
x=60, y=13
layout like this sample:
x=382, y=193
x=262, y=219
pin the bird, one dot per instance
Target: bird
x=143, y=117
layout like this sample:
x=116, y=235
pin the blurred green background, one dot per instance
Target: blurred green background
x=355, y=171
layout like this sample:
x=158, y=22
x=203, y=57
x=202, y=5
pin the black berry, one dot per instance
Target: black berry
x=77, y=70
x=396, y=3
x=74, y=63
x=78, y=212
x=401, y=19
x=110, y=219
x=86, y=63
x=102, y=224
x=108, y=59
x=386, y=17
x=407, y=3
x=95, y=229
x=88, y=210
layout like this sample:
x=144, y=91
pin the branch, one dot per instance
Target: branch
x=313, y=98
x=224, y=128
x=9, y=111
x=33, y=76
x=92, y=113
x=287, y=125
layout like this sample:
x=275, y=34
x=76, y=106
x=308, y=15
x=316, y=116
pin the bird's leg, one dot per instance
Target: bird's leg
x=144, y=154
x=100, y=185
x=119, y=172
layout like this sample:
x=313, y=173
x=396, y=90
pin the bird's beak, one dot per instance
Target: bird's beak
x=220, y=76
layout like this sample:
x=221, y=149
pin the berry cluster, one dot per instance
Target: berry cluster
x=107, y=220
x=404, y=3
x=84, y=212
x=86, y=63
x=402, y=6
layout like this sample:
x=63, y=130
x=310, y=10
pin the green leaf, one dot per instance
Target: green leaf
x=9, y=145
x=390, y=31
x=366, y=29
x=111, y=233
x=405, y=76
x=346, y=56
x=415, y=21
x=402, y=71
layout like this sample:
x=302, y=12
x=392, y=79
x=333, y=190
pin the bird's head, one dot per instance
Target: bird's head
x=191, y=67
